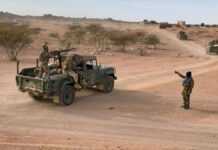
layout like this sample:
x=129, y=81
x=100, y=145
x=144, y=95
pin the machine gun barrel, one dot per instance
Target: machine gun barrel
x=56, y=53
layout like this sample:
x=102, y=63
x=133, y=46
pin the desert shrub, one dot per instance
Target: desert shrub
x=203, y=24
x=121, y=38
x=139, y=35
x=36, y=30
x=101, y=39
x=152, y=40
x=94, y=28
x=165, y=25
x=14, y=38
x=98, y=35
x=54, y=35
x=68, y=40
x=74, y=35
x=95, y=31
x=110, y=19
x=74, y=27
x=153, y=22
x=79, y=34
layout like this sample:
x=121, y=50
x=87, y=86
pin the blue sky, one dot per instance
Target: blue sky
x=193, y=11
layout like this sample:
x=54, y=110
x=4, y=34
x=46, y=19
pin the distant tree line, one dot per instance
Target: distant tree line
x=102, y=38
x=14, y=38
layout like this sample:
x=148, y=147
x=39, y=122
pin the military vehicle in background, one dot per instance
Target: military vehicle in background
x=61, y=84
x=213, y=47
x=182, y=35
x=164, y=25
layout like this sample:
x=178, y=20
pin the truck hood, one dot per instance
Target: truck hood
x=108, y=70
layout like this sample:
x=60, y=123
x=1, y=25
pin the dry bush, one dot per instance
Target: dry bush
x=103, y=40
x=75, y=35
x=149, y=40
x=35, y=30
x=80, y=35
x=139, y=35
x=97, y=33
x=121, y=38
x=94, y=28
x=14, y=38
x=101, y=37
x=152, y=40
x=54, y=35
x=68, y=40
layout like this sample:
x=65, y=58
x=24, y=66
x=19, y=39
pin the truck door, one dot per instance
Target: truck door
x=91, y=72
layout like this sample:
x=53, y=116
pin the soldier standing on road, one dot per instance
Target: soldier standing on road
x=188, y=85
x=44, y=60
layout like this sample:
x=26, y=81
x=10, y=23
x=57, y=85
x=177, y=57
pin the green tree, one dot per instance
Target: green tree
x=14, y=38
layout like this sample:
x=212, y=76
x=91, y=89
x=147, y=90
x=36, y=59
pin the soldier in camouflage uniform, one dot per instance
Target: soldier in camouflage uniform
x=44, y=60
x=188, y=85
x=69, y=68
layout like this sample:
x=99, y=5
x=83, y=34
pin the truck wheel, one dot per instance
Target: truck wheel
x=67, y=95
x=108, y=85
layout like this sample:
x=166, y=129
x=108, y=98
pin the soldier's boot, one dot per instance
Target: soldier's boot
x=187, y=102
x=187, y=106
x=184, y=102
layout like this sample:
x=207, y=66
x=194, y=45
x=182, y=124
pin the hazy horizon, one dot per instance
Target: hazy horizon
x=129, y=10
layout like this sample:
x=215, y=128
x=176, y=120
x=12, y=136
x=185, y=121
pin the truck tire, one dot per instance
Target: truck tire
x=67, y=95
x=108, y=84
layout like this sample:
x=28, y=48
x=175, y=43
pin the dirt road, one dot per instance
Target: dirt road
x=142, y=113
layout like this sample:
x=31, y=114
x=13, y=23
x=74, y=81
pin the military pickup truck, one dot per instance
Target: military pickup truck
x=62, y=82
x=213, y=47
x=182, y=35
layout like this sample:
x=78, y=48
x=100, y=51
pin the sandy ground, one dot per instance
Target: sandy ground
x=142, y=113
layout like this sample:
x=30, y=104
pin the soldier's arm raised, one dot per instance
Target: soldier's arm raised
x=179, y=74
